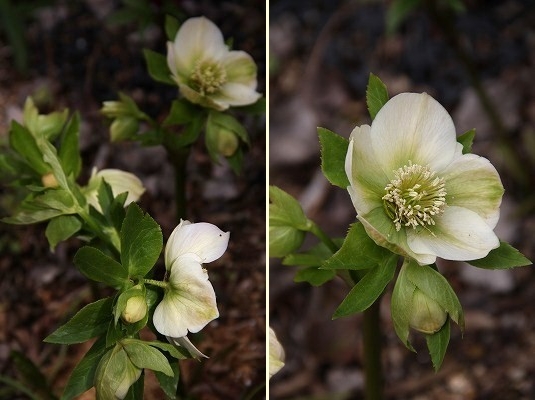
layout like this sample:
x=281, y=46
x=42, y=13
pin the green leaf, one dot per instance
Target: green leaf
x=172, y=25
x=114, y=333
x=26, y=217
x=505, y=256
x=236, y=161
x=191, y=131
x=83, y=375
x=69, y=152
x=61, y=228
x=157, y=67
x=114, y=371
x=141, y=241
x=169, y=383
x=434, y=285
x=97, y=266
x=437, y=344
x=314, y=276
x=50, y=156
x=22, y=141
x=401, y=297
x=313, y=257
x=333, y=157
x=466, y=139
x=358, y=251
x=368, y=289
x=144, y=356
x=398, y=12
x=227, y=121
x=90, y=321
x=376, y=95
x=284, y=210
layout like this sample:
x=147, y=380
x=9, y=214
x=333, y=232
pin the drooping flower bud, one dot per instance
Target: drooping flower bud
x=284, y=240
x=426, y=315
x=227, y=142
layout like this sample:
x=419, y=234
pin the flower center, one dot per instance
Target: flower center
x=414, y=197
x=207, y=77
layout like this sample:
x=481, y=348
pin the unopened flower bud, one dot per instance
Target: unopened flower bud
x=123, y=128
x=284, y=240
x=49, y=180
x=227, y=142
x=427, y=316
x=135, y=310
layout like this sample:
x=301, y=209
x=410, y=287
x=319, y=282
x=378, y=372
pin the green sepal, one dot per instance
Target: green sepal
x=89, y=322
x=358, y=251
x=157, y=67
x=181, y=113
x=466, y=139
x=141, y=241
x=437, y=344
x=504, y=257
x=100, y=267
x=376, y=95
x=333, y=155
x=61, y=228
x=83, y=374
x=399, y=306
x=368, y=289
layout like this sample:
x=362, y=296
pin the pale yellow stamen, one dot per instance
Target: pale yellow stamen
x=207, y=77
x=414, y=197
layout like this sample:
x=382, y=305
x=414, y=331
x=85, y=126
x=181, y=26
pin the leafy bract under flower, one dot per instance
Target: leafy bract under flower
x=413, y=189
x=206, y=72
x=189, y=301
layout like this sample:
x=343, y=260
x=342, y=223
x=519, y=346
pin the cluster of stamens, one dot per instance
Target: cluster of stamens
x=414, y=197
x=207, y=77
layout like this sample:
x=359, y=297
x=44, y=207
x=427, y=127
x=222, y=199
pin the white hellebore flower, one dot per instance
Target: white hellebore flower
x=189, y=302
x=206, y=71
x=276, y=354
x=413, y=189
x=119, y=181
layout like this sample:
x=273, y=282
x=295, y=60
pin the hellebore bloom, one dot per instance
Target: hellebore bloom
x=189, y=301
x=119, y=181
x=276, y=354
x=206, y=71
x=413, y=189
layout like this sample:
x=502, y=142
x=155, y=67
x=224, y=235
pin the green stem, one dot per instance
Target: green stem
x=154, y=282
x=327, y=241
x=178, y=156
x=372, y=352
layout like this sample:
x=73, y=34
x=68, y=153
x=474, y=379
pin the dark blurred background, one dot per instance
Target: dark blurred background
x=477, y=58
x=77, y=54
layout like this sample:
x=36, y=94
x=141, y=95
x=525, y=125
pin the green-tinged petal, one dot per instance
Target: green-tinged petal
x=459, y=234
x=205, y=240
x=472, y=182
x=235, y=94
x=186, y=343
x=413, y=127
x=197, y=39
x=189, y=302
x=180, y=70
x=382, y=230
x=197, y=98
x=240, y=68
x=367, y=181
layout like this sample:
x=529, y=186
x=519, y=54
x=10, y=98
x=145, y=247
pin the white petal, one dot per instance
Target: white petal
x=276, y=354
x=414, y=127
x=235, y=94
x=180, y=67
x=198, y=39
x=205, y=240
x=472, y=182
x=189, y=302
x=367, y=181
x=122, y=181
x=459, y=234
